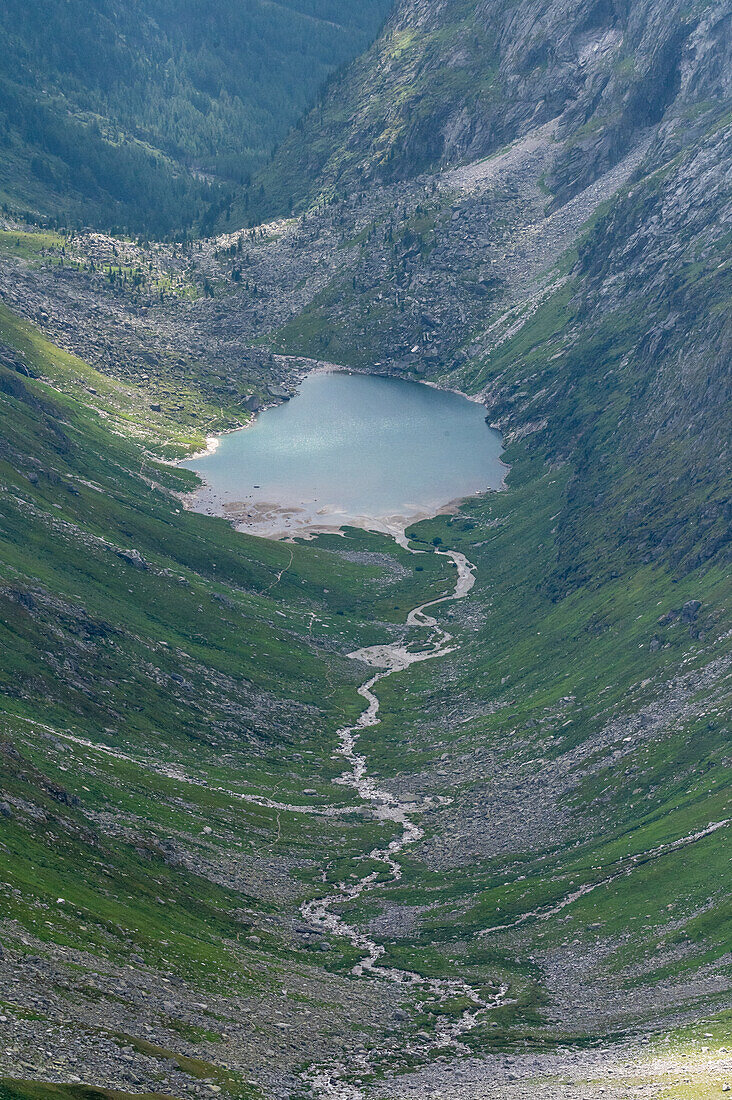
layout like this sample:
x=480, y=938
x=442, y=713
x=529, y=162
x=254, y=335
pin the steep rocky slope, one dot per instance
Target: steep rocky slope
x=448, y=82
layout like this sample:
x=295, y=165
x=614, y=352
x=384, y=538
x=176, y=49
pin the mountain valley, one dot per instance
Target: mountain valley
x=527, y=204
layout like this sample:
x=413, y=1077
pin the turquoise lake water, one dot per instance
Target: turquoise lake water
x=350, y=449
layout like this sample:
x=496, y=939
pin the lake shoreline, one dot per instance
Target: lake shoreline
x=277, y=519
x=209, y=503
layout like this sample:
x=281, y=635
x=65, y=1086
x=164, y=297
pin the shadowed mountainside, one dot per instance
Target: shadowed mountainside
x=148, y=116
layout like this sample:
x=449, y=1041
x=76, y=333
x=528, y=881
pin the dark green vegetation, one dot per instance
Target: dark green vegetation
x=148, y=116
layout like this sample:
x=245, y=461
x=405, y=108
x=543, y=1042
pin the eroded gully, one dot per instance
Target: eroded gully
x=321, y=913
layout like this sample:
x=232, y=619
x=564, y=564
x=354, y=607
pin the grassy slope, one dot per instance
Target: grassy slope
x=542, y=679
x=219, y=659
x=31, y=1090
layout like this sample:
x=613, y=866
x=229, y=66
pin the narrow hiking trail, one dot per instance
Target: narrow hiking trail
x=328, y=1082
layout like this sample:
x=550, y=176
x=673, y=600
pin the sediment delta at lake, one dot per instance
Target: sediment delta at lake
x=350, y=449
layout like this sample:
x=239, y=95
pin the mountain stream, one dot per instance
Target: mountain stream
x=329, y=1082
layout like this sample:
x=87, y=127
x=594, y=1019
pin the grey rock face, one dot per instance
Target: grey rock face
x=475, y=79
x=690, y=610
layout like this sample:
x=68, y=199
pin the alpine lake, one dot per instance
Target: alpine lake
x=349, y=449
